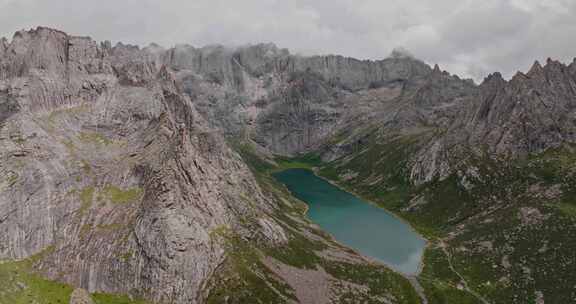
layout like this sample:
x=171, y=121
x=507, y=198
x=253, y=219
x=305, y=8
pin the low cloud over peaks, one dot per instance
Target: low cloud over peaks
x=466, y=37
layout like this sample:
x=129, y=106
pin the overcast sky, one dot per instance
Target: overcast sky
x=470, y=38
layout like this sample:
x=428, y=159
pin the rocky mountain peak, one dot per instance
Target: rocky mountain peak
x=40, y=31
x=41, y=48
x=73, y=101
x=437, y=72
x=3, y=46
x=494, y=78
x=535, y=70
x=518, y=78
x=554, y=67
x=91, y=120
x=106, y=45
x=528, y=114
x=572, y=67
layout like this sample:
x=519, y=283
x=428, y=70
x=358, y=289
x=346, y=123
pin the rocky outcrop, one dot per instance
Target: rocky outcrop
x=288, y=104
x=293, y=104
x=116, y=172
x=109, y=173
x=115, y=176
x=529, y=114
x=3, y=46
x=232, y=66
x=526, y=115
x=298, y=117
x=400, y=132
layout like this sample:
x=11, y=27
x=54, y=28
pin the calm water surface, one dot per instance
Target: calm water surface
x=356, y=223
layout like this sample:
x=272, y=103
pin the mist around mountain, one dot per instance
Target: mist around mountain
x=143, y=174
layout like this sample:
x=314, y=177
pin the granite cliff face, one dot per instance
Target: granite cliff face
x=291, y=104
x=487, y=171
x=111, y=180
x=120, y=170
x=530, y=113
x=110, y=171
x=527, y=115
x=286, y=103
x=455, y=158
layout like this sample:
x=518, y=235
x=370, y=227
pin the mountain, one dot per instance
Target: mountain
x=146, y=172
x=112, y=182
x=111, y=174
x=485, y=171
x=286, y=103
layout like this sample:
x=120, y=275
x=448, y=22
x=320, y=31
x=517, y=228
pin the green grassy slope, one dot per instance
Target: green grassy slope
x=20, y=284
x=380, y=284
x=509, y=230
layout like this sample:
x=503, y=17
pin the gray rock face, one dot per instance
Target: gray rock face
x=526, y=115
x=113, y=165
x=288, y=104
x=233, y=66
x=299, y=117
x=108, y=171
x=3, y=46
x=292, y=104
x=453, y=118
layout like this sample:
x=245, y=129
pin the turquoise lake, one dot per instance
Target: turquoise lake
x=355, y=223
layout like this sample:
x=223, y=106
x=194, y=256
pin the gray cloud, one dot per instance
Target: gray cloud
x=467, y=37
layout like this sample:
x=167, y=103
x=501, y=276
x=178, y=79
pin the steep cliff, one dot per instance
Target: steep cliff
x=286, y=103
x=486, y=172
x=111, y=181
x=103, y=158
x=146, y=172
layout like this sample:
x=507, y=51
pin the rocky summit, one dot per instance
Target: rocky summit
x=143, y=175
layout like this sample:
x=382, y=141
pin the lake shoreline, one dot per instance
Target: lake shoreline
x=428, y=243
x=371, y=259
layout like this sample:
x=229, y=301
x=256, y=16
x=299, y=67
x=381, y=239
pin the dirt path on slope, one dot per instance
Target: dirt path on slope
x=443, y=246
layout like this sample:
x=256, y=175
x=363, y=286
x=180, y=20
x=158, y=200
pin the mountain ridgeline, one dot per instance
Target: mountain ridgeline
x=143, y=174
